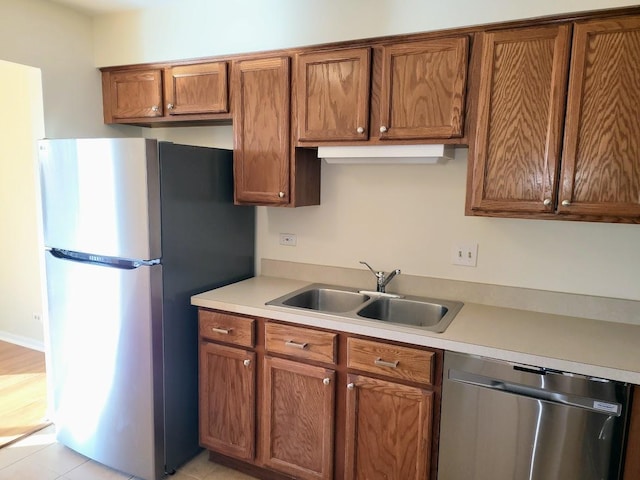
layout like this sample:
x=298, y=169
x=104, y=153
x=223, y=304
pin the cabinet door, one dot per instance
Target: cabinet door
x=227, y=400
x=332, y=95
x=423, y=89
x=200, y=88
x=515, y=153
x=261, y=131
x=135, y=94
x=388, y=432
x=298, y=418
x=601, y=158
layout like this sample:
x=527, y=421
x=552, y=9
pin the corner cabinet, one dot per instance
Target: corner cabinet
x=520, y=164
x=267, y=169
x=166, y=94
x=416, y=91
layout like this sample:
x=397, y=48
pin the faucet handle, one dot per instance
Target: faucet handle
x=377, y=274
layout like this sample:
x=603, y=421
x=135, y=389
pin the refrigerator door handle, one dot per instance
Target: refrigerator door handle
x=111, y=262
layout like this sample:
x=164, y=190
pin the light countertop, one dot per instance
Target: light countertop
x=590, y=347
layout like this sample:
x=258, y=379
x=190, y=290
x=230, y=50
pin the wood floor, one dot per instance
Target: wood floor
x=23, y=392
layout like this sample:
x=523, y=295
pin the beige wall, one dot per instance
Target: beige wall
x=403, y=217
x=21, y=121
x=57, y=45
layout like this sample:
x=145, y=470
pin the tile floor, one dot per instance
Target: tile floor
x=39, y=457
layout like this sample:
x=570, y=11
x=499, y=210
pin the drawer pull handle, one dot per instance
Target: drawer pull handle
x=382, y=363
x=223, y=331
x=246, y=363
x=326, y=381
x=291, y=343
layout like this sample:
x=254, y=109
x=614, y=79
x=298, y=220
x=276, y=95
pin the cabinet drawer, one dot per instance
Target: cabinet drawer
x=300, y=342
x=404, y=363
x=227, y=328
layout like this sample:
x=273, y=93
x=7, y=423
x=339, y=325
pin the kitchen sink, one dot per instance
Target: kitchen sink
x=418, y=312
x=424, y=313
x=327, y=300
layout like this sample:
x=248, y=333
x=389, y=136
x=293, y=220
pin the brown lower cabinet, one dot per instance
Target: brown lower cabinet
x=388, y=430
x=227, y=400
x=297, y=416
x=284, y=401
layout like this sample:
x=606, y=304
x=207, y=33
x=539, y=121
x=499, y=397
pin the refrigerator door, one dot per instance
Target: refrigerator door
x=101, y=196
x=106, y=352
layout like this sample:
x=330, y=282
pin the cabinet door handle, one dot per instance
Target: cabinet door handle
x=382, y=363
x=223, y=331
x=326, y=381
x=246, y=363
x=155, y=108
x=351, y=386
x=169, y=106
x=566, y=203
x=360, y=130
x=291, y=343
x=383, y=129
x=547, y=202
x=281, y=194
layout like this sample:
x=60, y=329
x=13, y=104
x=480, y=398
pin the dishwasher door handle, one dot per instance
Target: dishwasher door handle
x=595, y=405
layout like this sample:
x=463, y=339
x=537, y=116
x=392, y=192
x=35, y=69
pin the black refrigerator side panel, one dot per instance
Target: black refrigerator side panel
x=207, y=242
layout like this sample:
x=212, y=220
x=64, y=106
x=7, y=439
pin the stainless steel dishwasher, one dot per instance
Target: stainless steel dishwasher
x=504, y=421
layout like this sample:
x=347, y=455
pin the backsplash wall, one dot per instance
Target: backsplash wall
x=409, y=216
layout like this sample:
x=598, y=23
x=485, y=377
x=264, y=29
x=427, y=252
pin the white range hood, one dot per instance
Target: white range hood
x=387, y=154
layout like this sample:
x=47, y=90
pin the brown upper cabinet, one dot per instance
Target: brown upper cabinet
x=521, y=165
x=406, y=91
x=200, y=88
x=132, y=94
x=261, y=131
x=333, y=95
x=267, y=169
x=197, y=92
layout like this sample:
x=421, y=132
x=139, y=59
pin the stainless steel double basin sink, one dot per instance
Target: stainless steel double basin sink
x=418, y=312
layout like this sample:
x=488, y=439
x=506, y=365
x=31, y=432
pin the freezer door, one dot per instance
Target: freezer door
x=104, y=331
x=101, y=196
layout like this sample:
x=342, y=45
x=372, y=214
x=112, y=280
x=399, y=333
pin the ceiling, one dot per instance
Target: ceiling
x=98, y=7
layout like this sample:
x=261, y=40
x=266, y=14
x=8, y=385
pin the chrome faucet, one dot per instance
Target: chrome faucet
x=381, y=278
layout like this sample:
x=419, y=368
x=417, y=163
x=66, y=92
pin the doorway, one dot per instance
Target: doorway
x=21, y=245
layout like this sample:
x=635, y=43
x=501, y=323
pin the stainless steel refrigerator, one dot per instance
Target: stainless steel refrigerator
x=132, y=228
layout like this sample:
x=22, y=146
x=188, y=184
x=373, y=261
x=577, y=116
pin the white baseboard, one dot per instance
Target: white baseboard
x=22, y=341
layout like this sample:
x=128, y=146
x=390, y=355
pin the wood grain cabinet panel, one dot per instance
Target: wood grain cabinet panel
x=600, y=172
x=529, y=157
x=227, y=400
x=261, y=131
x=423, y=89
x=333, y=94
x=522, y=89
x=298, y=419
x=389, y=428
x=300, y=342
x=133, y=94
x=226, y=328
x=403, y=363
x=419, y=91
x=194, y=89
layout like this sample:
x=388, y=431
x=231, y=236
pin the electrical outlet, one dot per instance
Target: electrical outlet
x=288, y=239
x=465, y=254
x=37, y=317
